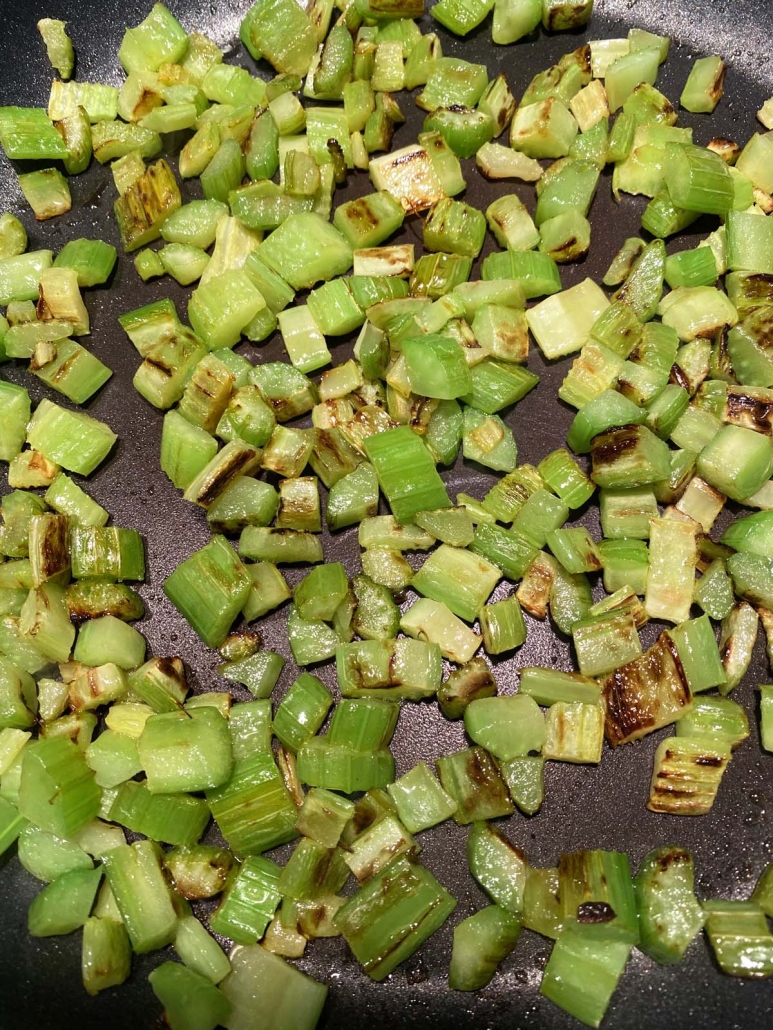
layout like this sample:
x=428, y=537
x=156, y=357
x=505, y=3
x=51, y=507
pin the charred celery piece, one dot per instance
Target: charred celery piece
x=323, y=816
x=236, y=459
x=481, y=942
x=146, y=205
x=472, y=779
x=628, y=456
x=704, y=87
x=597, y=894
x=583, y=971
x=670, y=916
x=471, y=681
x=687, y=775
x=69, y=369
x=209, y=589
x=403, y=906
x=740, y=938
x=498, y=866
x=647, y=693
x=389, y=669
x=739, y=634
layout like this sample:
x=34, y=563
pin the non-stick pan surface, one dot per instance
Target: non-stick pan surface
x=604, y=807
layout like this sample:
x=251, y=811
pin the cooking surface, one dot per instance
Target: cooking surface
x=593, y=807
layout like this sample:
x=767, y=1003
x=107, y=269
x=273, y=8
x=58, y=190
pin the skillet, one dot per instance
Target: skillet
x=593, y=807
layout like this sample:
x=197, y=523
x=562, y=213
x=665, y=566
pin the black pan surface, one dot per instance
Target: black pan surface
x=600, y=807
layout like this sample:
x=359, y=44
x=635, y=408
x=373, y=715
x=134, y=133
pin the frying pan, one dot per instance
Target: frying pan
x=585, y=807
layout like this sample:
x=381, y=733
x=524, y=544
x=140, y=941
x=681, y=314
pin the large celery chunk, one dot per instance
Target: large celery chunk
x=406, y=473
x=57, y=790
x=392, y=915
x=646, y=694
x=670, y=915
x=305, y=249
x=254, y=809
x=210, y=589
x=186, y=751
x=281, y=32
x=157, y=40
x=262, y=983
x=27, y=134
x=142, y=895
x=583, y=971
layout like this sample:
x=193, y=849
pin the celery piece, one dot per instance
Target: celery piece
x=370, y=220
x=47, y=857
x=47, y=192
x=109, y=639
x=249, y=902
x=72, y=439
x=404, y=904
x=583, y=971
x=57, y=790
x=605, y=642
x=410, y=176
x=457, y=578
x=191, y=1001
x=220, y=309
x=597, y=880
x=141, y=894
x=740, y=938
x=13, y=236
x=157, y=40
x=669, y=914
x=705, y=84
x=508, y=727
x=106, y=552
x=116, y=139
x=698, y=654
x=146, y=205
x=481, y=942
x=268, y=590
x=209, y=589
x=275, y=30
x=27, y=134
x=406, y=473
x=302, y=712
x=323, y=816
x=737, y=461
x=334, y=767
x=739, y=634
x=686, y=776
x=185, y=752
x=715, y=718
x=253, y=809
x=543, y=129
x=174, y=819
x=645, y=694
x=305, y=249
x=198, y=872
x=113, y=758
x=421, y=801
x=15, y=409
x=64, y=905
x=389, y=669
x=561, y=324
x=186, y=450
x=262, y=982
x=105, y=954
x=574, y=732
x=472, y=779
x=434, y=622
x=548, y=686
x=20, y=275
x=671, y=579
